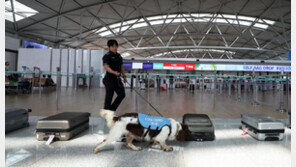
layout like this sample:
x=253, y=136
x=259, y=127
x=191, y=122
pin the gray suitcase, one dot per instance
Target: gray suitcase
x=262, y=127
x=16, y=118
x=201, y=127
x=63, y=126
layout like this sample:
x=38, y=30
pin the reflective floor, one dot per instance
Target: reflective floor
x=228, y=149
x=171, y=103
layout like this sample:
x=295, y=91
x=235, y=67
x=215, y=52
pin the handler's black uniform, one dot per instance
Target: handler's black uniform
x=112, y=82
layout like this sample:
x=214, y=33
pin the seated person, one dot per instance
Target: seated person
x=13, y=77
x=43, y=80
x=49, y=81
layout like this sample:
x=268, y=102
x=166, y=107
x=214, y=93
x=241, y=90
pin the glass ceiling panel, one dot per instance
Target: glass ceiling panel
x=21, y=11
x=193, y=18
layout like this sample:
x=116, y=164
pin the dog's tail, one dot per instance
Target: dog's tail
x=108, y=115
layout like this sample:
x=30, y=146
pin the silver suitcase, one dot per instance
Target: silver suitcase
x=262, y=127
x=63, y=126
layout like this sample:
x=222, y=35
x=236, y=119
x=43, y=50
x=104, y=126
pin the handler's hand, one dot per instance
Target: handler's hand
x=117, y=73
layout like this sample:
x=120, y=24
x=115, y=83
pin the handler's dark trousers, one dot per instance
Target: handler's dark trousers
x=111, y=86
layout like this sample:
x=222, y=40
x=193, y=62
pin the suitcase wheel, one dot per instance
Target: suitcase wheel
x=271, y=138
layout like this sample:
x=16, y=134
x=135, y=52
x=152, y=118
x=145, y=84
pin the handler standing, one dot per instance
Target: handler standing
x=113, y=65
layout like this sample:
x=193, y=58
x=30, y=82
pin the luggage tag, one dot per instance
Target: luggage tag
x=245, y=131
x=50, y=139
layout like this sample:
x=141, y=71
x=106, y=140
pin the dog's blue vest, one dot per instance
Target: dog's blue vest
x=153, y=122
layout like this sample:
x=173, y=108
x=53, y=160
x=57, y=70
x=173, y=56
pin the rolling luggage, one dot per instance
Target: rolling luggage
x=262, y=127
x=16, y=118
x=201, y=127
x=63, y=126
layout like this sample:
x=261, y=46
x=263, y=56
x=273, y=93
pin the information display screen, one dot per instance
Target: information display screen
x=29, y=44
x=127, y=65
x=147, y=65
x=206, y=67
x=137, y=65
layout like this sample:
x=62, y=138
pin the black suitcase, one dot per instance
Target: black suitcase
x=63, y=126
x=16, y=118
x=201, y=127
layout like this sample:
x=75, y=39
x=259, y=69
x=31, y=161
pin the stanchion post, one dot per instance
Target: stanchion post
x=221, y=86
x=202, y=82
x=229, y=88
x=281, y=91
x=137, y=79
x=68, y=57
x=239, y=89
x=215, y=81
x=58, y=87
x=39, y=84
x=32, y=82
x=148, y=84
x=255, y=89
x=288, y=99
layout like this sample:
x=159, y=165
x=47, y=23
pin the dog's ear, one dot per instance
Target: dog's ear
x=186, y=129
x=181, y=135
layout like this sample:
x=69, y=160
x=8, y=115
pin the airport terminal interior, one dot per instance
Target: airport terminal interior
x=220, y=68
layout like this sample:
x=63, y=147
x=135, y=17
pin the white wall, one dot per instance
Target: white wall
x=55, y=62
x=97, y=64
x=12, y=43
x=34, y=57
x=64, y=60
x=11, y=58
x=71, y=65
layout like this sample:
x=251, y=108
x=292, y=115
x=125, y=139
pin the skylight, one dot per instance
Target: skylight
x=264, y=26
x=106, y=33
x=102, y=29
x=126, y=54
x=21, y=11
x=156, y=22
x=183, y=18
x=140, y=25
x=194, y=50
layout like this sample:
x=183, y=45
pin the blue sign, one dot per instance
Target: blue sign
x=29, y=44
x=127, y=65
x=147, y=65
x=289, y=55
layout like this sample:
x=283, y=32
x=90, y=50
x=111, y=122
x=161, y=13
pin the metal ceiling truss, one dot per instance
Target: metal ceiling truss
x=246, y=38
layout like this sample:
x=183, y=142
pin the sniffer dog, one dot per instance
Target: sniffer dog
x=128, y=124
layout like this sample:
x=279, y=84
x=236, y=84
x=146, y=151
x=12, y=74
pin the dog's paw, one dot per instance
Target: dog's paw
x=137, y=148
x=96, y=151
x=168, y=149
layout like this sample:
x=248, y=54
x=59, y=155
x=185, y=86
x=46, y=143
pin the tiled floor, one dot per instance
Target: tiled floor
x=228, y=149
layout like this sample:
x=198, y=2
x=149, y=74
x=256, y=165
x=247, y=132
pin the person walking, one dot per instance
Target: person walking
x=112, y=62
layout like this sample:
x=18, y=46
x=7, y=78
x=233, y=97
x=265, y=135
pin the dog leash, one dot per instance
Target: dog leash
x=144, y=99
